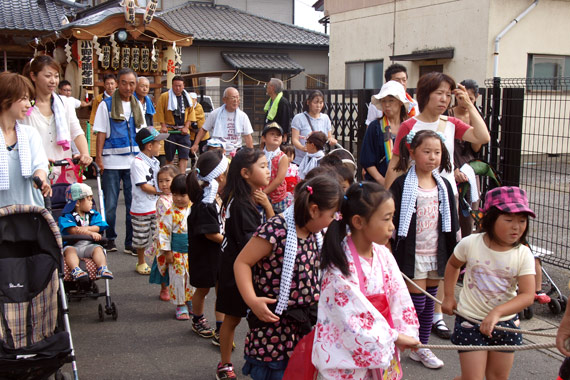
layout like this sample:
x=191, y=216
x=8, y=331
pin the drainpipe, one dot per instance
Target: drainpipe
x=502, y=34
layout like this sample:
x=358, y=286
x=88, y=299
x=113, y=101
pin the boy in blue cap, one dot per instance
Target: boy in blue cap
x=79, y=218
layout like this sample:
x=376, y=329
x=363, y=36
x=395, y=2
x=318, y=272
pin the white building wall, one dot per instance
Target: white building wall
x=545, y=30
x=367, y=34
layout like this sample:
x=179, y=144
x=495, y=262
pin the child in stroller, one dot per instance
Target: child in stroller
x=79, y=218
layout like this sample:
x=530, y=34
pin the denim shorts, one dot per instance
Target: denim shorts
x=466, y=334
x=170, y=149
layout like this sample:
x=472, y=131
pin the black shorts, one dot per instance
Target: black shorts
x=466, y=334
x=229, y=300
x=170, y=149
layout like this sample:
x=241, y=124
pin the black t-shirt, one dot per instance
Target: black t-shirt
x=242, y=220
x=203, y=219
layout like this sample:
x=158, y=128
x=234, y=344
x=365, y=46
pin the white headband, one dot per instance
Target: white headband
x=212, y=189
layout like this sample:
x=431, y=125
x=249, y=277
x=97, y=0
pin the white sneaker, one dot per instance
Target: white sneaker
x=427, y=358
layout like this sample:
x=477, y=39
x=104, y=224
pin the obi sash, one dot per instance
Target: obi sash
x=179, y=243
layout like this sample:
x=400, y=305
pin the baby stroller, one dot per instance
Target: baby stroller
x=35, y=336
x=558, y=301
x=89, y=288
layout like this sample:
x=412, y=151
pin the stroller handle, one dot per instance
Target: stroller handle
x=76, y=238
x=65, y=162
x=47, y=200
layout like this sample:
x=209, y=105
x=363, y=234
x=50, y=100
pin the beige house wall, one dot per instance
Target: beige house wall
x=367, y=34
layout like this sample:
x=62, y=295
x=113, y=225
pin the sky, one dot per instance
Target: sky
x=307, y=17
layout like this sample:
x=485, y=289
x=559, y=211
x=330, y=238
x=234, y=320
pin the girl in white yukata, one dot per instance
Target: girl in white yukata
x=366, y=315
x=173, y=239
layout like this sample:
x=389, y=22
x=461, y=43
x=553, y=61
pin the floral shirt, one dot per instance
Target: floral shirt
x=277, y=342
x=352, y=338
x=174, y=221
x=163, y=203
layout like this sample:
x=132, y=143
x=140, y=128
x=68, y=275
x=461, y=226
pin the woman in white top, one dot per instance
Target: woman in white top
x=21, y=154
x=311, y=120
x=54, y=119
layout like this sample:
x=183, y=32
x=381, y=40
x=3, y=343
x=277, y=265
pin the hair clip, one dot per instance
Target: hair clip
x=441, y=136
x=197, y=170
x=338, y=216
x=410, y=137
x=359, y=184
x=345, y=197
x=310, y=190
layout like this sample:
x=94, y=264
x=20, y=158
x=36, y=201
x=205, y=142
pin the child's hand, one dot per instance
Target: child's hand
x=261, y=198
x=488, y=324
x=169, y=257
x=448, y=305
x=95, y=236
x=259, y=307
x=404, y=342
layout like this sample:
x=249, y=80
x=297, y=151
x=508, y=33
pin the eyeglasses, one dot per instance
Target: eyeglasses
x=232, y=97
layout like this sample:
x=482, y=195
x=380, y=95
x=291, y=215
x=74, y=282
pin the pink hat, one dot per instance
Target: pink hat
x=509, y=199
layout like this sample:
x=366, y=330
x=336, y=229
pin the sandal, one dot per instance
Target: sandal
x=164, y=294
x=182, y=313
x=440, y=329
x=142, y=269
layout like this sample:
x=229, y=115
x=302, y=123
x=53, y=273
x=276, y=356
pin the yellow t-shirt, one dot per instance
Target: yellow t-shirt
x=490, y=276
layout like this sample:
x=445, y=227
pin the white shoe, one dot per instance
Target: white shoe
x=427, y=358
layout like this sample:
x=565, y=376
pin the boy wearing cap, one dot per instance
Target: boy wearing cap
x=144, y=170
x=79, y=218
x=277, y=162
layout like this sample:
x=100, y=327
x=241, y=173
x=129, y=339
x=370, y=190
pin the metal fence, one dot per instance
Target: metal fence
x=529, y=120
x=530, y=146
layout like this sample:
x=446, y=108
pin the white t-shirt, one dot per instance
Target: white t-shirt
x=45, y=125
x=75, y=103
x=101, y=123
x=490, y=276
x=300, y=123
x=141, y=173
x=229, y=136
x=454, y=129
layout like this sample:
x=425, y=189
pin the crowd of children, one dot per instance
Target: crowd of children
x=302, y=253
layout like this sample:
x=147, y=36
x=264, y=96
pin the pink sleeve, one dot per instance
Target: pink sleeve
x=405, y=128
x=460, y=127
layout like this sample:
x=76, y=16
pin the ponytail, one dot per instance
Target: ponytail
x=206, y=163
x=361, y=199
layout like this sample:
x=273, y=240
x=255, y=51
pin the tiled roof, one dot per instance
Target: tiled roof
x=260, y=61
x=32, y=15
x=208, y=22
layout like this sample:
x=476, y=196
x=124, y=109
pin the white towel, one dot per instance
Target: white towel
x=24, y=153
x=470, y=173
x=63, y=136
x=173, y=100
x=310, y=161
x=220, y=128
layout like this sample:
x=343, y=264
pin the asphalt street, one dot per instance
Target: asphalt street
x=147, y=342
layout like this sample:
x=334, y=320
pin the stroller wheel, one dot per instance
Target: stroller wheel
x=563, y=303
x=528, y=313
x=555, y=307
x=101, y=315
x=114, y=312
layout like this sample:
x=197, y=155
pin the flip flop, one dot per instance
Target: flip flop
x=142, y=269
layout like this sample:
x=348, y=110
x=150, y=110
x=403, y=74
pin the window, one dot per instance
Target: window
x=425, y=69
x=364, y=75
x=316, y=81
x=544, y=71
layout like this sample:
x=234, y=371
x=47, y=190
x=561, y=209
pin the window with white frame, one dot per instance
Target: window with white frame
x=544, y=72
x=367, y=74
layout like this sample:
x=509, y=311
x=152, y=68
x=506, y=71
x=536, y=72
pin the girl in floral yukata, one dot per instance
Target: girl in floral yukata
x=365, y=314
x=284, y=289
x=173, y=239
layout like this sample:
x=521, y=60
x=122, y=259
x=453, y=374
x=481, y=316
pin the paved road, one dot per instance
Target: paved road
x=146, y=342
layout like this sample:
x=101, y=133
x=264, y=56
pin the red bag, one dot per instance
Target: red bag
x=300, y=366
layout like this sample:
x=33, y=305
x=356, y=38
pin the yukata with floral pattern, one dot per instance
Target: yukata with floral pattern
x=174, y=222
x=352, y=338
x=163, y=204
x=277, y=342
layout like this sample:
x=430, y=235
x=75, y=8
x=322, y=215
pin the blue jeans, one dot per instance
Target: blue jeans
x=111, y=183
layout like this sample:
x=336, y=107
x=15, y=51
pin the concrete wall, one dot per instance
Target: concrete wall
x=279, y=10
x=420, y=25
x=210, y=59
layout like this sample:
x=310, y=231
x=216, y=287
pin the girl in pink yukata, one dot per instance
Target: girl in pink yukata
x=366, y=315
